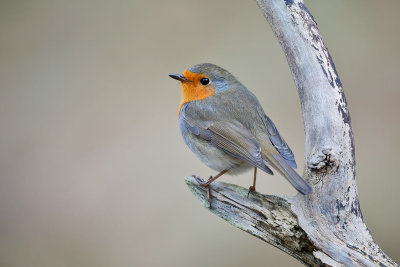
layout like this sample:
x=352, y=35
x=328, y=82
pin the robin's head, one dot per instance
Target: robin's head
x=203, y=80
x=206, y=75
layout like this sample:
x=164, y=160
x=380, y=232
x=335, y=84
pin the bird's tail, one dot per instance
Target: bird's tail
x=291, y=175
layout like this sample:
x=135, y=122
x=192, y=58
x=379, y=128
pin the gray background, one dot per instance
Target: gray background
x=91, y=158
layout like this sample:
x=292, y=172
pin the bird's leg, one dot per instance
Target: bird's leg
x=210, y=180
x=207, y=183
x=252, y=188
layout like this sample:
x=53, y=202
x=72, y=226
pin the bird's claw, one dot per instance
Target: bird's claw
x=206, y=186
x=251, y=189
x=200, y=181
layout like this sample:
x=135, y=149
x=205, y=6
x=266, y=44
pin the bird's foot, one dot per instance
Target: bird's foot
x=251, y=190
x=206, y=185
x=201, y=181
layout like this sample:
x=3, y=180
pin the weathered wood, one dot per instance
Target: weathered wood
x=326, y=227
x=266, y=217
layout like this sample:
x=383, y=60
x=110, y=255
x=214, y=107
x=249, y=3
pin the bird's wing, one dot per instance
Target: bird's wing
x=278, y=142
x=233, y=138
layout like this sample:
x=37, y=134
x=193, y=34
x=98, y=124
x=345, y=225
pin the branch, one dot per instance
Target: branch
x=326, y=227
x=266, y=217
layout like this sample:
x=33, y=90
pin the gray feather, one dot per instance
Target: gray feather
x=233, y=138
x=295, y=180
x=278, y=142
x=198, y=131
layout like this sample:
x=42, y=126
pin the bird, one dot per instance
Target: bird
x=225, y=126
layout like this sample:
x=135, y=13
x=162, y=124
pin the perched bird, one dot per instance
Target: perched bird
x=224, y=125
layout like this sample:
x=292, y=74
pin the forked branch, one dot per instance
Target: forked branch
x=325, y=228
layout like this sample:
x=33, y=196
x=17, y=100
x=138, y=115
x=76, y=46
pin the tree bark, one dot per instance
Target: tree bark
x=325, y=228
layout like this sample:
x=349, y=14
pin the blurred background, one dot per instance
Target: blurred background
x=92, y=163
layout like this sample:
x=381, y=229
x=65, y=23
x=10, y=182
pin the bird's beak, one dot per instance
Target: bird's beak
x=179, y=77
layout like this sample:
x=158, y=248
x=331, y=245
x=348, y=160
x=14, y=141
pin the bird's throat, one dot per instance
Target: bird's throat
x=193, y=91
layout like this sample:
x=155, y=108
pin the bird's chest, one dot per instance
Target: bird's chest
x=206, y=152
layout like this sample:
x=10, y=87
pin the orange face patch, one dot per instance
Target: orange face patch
x=193, y=89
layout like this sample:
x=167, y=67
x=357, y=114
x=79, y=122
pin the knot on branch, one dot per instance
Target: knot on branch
x=323, y=159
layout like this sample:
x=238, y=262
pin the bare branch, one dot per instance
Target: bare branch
x=326, y=227
x=266, y=217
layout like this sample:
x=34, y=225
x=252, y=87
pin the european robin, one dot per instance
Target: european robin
x=224, y=125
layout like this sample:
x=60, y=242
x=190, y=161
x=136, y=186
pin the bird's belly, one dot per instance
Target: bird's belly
x=214, y=157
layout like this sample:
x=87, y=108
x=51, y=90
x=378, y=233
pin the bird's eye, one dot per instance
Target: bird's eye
x=205, y=81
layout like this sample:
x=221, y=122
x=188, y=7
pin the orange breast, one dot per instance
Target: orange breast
x=194, y=90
